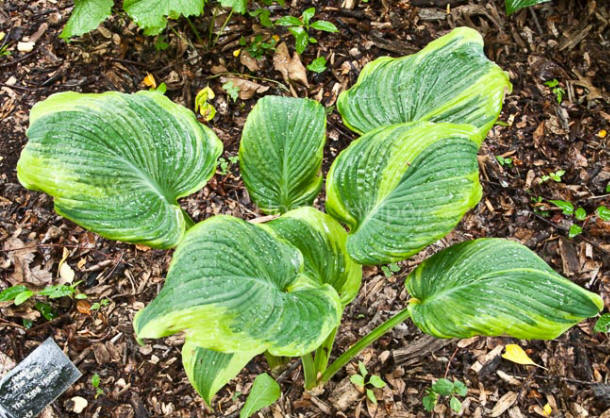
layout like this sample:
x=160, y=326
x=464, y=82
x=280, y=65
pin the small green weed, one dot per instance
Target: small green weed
x=360, y=380
x=504, y=161
x=602, y=324
x=390, y=269
x=300, y=27
x=98, y=305
x=95, y=382
x=603, y=213
x=445, y=387
x=318, y=65
x=556, y=89
x=259, y=45
x=232, y=90
x=4, y=52
x=224, y=164
x=555, y=176
x=20, y=293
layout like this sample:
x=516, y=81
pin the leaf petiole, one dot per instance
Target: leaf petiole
x=364, y=342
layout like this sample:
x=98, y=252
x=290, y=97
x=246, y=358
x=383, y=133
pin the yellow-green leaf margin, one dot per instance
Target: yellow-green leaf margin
x=450, y=80
x=234, y=286
x=117, y=163
x=402, y=187
x=495, y=287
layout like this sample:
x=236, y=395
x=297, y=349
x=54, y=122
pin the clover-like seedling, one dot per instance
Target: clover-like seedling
x=225, y=163
x=504, y=161
x=95, y=382
x=390, y=269
x=556, y=89
x=446, y=388
x=555, y=176
x=603, y=213
x=360, y=380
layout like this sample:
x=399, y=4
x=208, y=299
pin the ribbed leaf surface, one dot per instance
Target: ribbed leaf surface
x=116, y=163
x=450, y=80
x=151, y=15
x=322, y=242
x=514, y=5
x=280, y=154
x=403, y=187
x=495, y=287
x=233, y=286
x=209, y=370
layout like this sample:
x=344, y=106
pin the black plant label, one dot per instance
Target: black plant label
x=36, y=382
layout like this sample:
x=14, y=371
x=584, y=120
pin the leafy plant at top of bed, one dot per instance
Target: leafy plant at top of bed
x=513, y=6
x=150, y=15
x=238, y=289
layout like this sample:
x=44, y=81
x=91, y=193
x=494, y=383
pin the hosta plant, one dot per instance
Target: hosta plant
x=237, y=289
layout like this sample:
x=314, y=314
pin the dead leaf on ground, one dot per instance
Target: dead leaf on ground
x=21, y=259
x=6, y=364
x=247, y=88
x=291, y=67
x=250, y=62
x=83, y=307
x=594, y=93
x=66, y=274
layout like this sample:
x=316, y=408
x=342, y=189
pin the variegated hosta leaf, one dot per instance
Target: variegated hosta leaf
x=403, y=187
x=450, y=80
x=280, y=154
x=117, y=163
x=151, y=15
x=233, y=286
x=495, y=287
x=209, y=370
x=321, y=240
x=514, y=5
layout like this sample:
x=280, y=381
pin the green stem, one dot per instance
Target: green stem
x=211, y=27
x=323, y=352
x=222, y=28
x=195, y=31
x=188, y=220
x=369, y=339
x=274, y=361
x=309, y=371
